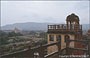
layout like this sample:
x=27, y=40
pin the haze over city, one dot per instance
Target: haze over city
x=42, y=11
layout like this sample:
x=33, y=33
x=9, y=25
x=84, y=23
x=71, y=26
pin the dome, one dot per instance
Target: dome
x=72, y=17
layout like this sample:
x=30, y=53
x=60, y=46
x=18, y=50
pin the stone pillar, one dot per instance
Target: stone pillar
x=48, y=38
x=70, y=25
x=67, y=25
x=55, y=39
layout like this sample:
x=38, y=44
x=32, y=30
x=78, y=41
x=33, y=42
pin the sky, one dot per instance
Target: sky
x=43, y=11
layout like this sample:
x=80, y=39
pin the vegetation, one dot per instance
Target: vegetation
x=11, y=41
x=11, y=34
x=3, y=38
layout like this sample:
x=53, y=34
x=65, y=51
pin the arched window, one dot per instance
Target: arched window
x=51, y=37
x=67, y=37
x=58, y=37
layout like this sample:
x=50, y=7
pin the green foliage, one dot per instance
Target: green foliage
x=3, y=38
x=11, y=34
x=3, y=34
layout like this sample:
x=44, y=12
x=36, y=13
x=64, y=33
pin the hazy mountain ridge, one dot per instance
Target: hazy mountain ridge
x=26, y=26
x=33, y=26
x=85, y=26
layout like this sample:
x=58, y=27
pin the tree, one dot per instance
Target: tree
x=11, y=34
x=3, y=38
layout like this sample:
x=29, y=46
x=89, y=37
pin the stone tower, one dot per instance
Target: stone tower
x=60, y=32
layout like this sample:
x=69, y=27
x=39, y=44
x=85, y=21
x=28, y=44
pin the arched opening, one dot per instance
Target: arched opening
x=51, y=37
x=58, y=38
x=67, y=37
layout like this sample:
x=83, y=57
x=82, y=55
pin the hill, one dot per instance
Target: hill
x=33, y=26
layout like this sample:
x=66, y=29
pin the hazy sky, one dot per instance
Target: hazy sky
x=42, y=11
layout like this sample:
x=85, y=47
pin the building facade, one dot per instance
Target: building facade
x=61, y=32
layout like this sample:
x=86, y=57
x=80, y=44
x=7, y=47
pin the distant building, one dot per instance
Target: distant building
x=16, y=30
x=61, y=32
